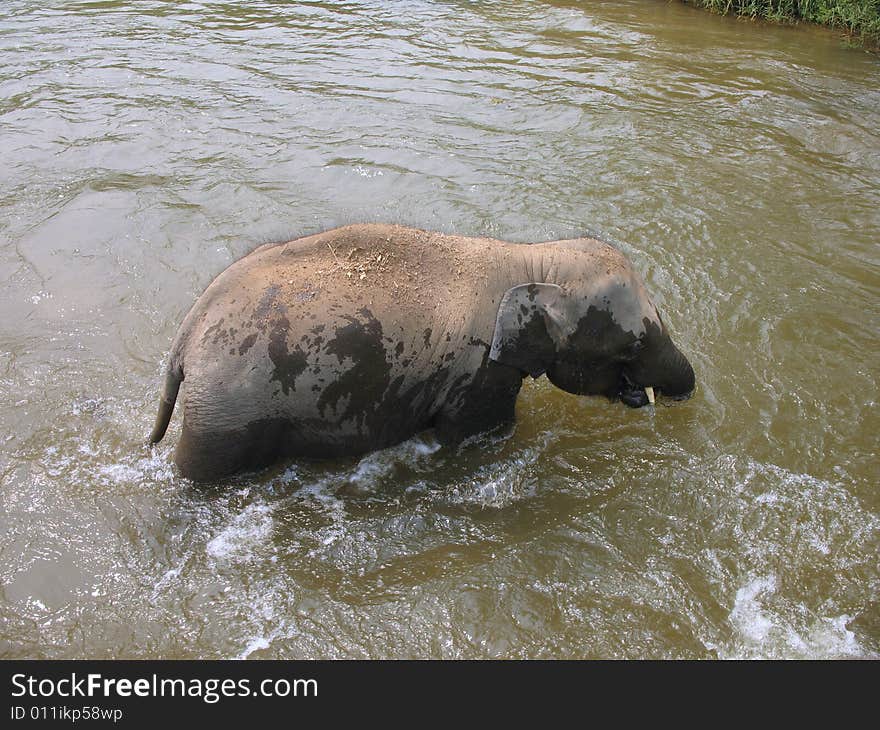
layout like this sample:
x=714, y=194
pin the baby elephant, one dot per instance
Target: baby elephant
x=360, y=337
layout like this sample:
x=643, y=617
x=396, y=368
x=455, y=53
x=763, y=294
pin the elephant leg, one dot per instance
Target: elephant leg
x=488, y=401
x=208, y=456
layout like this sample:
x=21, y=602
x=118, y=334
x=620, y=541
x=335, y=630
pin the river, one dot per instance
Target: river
x=146, y=146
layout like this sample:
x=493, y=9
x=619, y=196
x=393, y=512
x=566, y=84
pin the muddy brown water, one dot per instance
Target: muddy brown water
x=145, y=146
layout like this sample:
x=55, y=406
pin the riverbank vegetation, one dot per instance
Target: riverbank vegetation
x=859, y=19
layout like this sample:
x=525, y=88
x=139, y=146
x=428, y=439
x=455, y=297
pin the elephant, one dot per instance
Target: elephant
x=360, y=337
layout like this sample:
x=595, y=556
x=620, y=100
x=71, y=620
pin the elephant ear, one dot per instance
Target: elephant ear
x=529, y=328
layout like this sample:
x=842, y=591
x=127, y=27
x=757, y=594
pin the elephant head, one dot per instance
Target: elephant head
x=593, y=330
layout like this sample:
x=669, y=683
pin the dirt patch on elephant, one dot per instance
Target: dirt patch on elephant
x=421, y=269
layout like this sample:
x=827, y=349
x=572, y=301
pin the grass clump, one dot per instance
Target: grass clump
x=860, y=19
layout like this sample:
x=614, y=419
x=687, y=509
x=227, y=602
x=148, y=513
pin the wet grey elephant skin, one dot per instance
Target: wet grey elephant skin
x=360, y=337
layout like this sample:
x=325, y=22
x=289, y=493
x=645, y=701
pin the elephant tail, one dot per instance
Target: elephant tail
x=173, y=378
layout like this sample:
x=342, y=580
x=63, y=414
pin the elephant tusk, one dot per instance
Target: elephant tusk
x=650, y=393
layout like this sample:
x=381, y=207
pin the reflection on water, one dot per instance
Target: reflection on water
x=148, y=145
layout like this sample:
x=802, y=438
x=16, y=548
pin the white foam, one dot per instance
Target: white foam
x=170, y=575
x=761, y=631
x=831, y=637
x=378, y=464
x=366, y=476
x=154, y=468
x=766, y=620
x=120, y=473
x=365, y=172
x=246, y=531
x=747, y=614
x=255, y=644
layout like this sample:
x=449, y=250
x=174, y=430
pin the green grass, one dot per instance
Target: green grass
x=860, y=19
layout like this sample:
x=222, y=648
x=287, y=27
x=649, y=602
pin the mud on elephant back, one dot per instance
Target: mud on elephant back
x=360, y=337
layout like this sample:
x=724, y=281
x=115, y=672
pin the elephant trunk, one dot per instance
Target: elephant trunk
x=676, y=374
x=668, y=371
